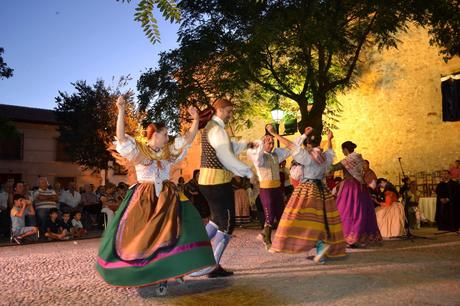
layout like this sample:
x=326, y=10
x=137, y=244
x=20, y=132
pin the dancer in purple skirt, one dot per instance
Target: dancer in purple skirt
x=354, y=201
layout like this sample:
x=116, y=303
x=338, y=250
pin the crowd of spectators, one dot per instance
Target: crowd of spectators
x=53, y=213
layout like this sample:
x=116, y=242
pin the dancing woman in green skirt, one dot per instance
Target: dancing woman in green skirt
x=156, y=234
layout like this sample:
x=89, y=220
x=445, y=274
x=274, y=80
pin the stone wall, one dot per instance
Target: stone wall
x=397, y=112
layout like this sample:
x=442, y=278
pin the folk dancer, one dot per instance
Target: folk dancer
x=155, y=235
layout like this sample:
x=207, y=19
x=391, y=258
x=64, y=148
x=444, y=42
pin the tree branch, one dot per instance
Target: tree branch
x=272, y=88
x=309, y=78
x=355, y=57
x=275, y=74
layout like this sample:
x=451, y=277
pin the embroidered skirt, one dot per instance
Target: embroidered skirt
x=151, y=240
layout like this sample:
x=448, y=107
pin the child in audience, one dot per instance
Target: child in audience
x=77, y=227
x=66, y=223
x=20, y=210
x=54, y=229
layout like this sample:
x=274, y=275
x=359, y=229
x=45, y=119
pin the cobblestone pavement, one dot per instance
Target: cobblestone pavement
x=422, y=272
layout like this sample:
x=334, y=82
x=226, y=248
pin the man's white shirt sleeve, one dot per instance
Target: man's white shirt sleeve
x=257, y=154
x=219, y=140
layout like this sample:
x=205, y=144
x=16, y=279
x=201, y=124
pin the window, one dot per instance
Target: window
x=450, y=89
x=61, y=153
x=11, y=148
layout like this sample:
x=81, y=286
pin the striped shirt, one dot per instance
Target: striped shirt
x=44, y=203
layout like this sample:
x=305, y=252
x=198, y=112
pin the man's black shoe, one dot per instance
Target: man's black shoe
x=220, y=272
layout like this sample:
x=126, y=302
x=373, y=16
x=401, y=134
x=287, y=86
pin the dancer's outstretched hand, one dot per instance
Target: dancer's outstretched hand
x=270, y=129
x=308, y=130
x=330, y=135
x=121, y=103
x=193, y=111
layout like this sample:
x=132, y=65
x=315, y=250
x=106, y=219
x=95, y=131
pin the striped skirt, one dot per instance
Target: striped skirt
x=137, y=248
x=303, y=222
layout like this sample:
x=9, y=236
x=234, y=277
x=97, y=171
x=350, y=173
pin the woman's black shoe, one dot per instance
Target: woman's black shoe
x=220, y=272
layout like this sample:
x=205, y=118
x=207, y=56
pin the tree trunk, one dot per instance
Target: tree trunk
x=314, y=117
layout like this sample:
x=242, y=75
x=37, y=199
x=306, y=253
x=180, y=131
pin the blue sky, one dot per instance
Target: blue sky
x=51, y=43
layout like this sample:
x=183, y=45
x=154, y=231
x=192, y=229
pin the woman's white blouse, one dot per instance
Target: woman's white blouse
x=152, y=170
x=311, y=169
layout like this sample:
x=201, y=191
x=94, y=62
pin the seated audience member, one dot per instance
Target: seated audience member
x=369, y=176
x=77, y=227
x=455, y=171
x=20, y=210
x=90, y=203
x=66, y=222
x=390, y=214
x=45, y=199
x=54, y=230
x=4, y=212
x=22, y=189
x=109, y=201
x=447, y=204
x=412, y=198
x=70, y=198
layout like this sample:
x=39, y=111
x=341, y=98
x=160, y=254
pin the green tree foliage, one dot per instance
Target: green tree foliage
x=87, y=122
x=144, y=15
x=304, y=51
x=5, y=71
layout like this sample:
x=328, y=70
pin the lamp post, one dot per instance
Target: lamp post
x=277, y=114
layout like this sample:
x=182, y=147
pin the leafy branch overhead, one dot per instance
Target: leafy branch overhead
x=5, y=71
x=145, y=16
x=304, y=51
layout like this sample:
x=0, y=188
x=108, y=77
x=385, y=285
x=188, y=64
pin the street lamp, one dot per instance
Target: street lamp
x=277, y=115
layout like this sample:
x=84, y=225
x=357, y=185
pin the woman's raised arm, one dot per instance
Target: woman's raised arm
x=121, y=104
x=191, y=133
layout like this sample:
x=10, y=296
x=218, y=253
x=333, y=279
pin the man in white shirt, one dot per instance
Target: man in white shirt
x=70, y=198
x=218, y=165
x=266, y=161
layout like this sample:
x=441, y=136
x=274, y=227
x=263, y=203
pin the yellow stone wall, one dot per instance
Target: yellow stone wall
x=395, y=111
